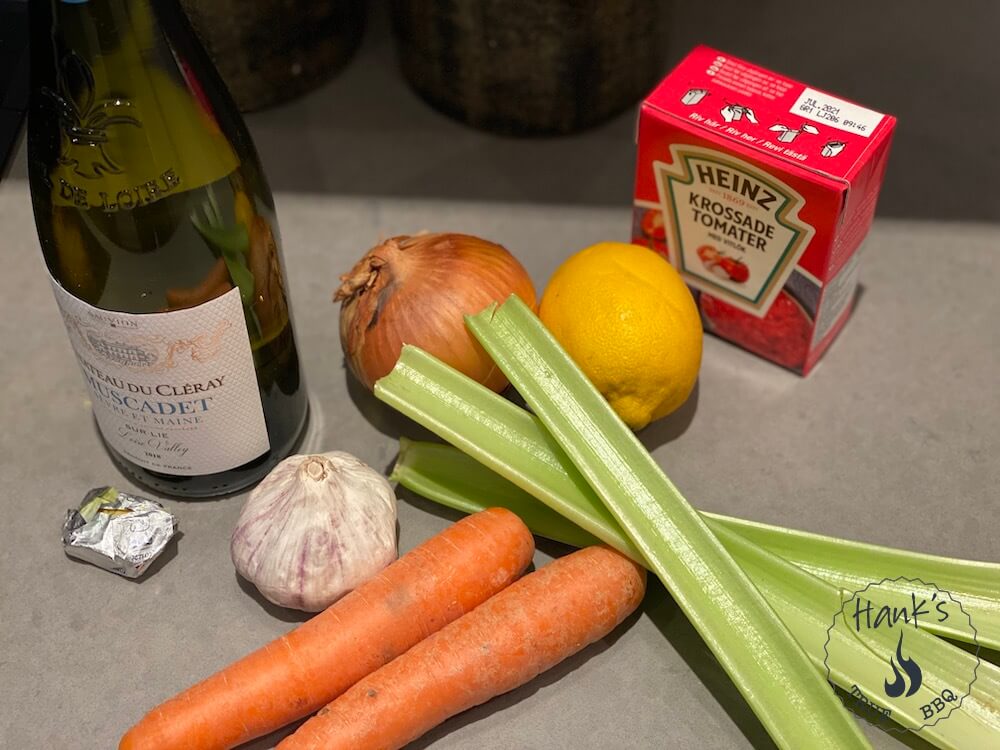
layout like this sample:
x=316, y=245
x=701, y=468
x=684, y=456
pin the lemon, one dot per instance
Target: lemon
x=626, y=317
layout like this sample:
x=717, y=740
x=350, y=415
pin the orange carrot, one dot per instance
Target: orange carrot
x=522, y=631
x=291, y=677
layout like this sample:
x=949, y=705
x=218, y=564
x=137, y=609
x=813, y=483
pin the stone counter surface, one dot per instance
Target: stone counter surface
x=891, y=440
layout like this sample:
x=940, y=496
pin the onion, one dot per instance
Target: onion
x=416, y=290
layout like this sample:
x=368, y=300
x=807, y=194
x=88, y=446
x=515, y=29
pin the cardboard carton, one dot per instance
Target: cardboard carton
x=759, y=189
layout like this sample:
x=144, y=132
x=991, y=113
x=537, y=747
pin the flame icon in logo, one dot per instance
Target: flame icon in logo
x=895, y=688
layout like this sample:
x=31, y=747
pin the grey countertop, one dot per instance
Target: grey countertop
x=893, y=440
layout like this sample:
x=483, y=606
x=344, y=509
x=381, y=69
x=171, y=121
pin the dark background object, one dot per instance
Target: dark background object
x=269, y=51
x=932, y=64
x=13, y=75
x=546, y=67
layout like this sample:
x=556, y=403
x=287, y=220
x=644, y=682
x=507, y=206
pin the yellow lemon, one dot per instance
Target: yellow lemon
x=626, y=317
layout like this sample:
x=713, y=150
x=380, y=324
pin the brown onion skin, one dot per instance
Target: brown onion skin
x=416, y=290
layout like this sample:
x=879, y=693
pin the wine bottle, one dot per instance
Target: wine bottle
x=158, y=229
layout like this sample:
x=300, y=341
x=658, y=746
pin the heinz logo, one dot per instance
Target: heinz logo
x=733, y=229
x=737, y=183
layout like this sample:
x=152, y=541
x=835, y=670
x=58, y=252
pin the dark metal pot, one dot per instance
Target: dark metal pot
x=529, y=68
x=269, y=51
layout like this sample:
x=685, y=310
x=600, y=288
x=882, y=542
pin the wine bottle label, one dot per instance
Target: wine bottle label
x=174, y=392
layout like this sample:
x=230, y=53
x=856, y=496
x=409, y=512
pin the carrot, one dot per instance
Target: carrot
x=522, y=631
x=293, y=676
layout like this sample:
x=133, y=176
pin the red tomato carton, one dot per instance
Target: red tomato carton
x=759, y=190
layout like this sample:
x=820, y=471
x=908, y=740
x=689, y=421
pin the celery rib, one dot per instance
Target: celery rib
x=805, y=603
x=450, y=477
x=498, y=434
x=751, y=643
x=851, y=566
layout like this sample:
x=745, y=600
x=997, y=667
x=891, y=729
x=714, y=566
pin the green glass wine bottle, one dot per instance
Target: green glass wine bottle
x=158, y=229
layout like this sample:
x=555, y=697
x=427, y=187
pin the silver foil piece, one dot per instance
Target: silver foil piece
x=117, y=531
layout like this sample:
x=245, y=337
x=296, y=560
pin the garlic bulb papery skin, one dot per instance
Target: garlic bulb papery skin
x=315, y=528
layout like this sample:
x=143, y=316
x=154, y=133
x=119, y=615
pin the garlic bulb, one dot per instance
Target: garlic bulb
x=315, y=528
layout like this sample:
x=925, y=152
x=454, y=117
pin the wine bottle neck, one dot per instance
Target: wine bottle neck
x=135, y=120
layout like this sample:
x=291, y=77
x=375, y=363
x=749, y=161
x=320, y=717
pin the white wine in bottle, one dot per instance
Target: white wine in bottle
x=158, y=229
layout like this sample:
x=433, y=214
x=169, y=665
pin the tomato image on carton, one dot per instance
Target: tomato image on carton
x=762, y=205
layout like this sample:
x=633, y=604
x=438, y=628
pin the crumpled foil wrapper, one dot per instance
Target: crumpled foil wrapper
x=117, y=531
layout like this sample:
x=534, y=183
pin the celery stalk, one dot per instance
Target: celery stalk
x=851, y=566
x=500, y=435
x=846, y=564
x=751, y=643
x=803, y=602
x=451, y=478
